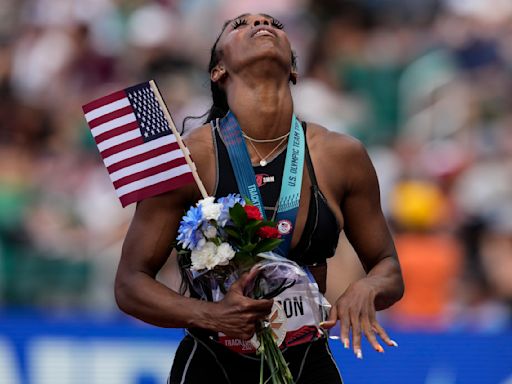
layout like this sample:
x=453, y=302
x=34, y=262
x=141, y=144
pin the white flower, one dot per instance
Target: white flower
x=210, y=232
x=224, y=254
x=204, y=257
x=200, y=243
x=211, y=210
x=206, y=200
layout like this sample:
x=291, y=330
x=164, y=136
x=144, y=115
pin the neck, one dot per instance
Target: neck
x=262, y=105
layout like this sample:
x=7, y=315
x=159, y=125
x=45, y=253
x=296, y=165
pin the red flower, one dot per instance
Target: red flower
x=253, y=213
x=269, y=233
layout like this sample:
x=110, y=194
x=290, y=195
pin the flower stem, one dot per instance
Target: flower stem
x=262, y=361
x=279, y=370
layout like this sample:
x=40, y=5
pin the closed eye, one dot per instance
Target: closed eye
x=238, y=22
x=277, y=24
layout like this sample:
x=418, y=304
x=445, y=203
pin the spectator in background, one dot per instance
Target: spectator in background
x=430, y=255
x=426, y=84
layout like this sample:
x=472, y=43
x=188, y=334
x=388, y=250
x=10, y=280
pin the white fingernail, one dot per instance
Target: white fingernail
x=394, y=343
x=359, y=354
x=333, y=337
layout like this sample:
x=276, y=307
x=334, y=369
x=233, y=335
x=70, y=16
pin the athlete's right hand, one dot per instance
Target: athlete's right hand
x=236, y=315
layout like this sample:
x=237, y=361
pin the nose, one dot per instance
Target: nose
x=260, y=21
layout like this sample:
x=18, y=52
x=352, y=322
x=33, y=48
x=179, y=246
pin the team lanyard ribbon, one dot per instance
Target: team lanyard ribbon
x=289, y=197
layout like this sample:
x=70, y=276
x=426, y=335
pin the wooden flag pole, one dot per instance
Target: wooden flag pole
x=168, y=117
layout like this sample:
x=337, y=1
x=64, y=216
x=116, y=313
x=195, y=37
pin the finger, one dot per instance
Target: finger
x=345, y=329
x=327, y=324
x=331, y=320
x=356, y=334
x=383, y=335
x=239, y=284
x=370, y=335
x=262, y=306
x=247, y=332
x=251, y=275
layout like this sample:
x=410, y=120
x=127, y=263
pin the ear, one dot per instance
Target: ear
x=218, y=72
x=293, y=77
x=293, y=70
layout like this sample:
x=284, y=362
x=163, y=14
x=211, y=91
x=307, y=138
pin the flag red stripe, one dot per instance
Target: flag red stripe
x=116, y=131
x=149, y=172
x=142, y=157
x=157, y=189
x=121, y=147
x=103, y=101
x=110, y=116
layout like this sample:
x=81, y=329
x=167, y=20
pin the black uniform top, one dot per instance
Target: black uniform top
x=321, y=230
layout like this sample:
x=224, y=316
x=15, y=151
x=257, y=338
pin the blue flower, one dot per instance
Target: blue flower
x=189, y=235
x=228, y=202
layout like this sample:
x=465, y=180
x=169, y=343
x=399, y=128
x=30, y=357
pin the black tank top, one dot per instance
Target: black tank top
x=321, y=230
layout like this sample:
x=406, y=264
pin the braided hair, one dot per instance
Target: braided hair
x=220, y=105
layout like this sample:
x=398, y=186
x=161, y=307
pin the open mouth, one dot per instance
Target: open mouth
x=263, y=31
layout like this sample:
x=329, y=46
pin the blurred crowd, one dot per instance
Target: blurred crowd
x=426, y=85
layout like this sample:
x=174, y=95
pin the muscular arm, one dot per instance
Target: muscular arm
x=145, y=250
x=367, y=230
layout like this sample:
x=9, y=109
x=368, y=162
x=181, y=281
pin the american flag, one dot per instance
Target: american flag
x=137, y=145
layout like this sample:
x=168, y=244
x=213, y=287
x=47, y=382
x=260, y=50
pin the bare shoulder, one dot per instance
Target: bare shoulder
x=333, y=146
x=338, y=155
x=199, y=139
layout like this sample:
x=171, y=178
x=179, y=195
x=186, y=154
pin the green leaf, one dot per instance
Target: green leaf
x=267, y=245
x=253, y=227
x=248, y=247
x=232, y=232
x=253, y=223
x=244, y=260
x=238, y=215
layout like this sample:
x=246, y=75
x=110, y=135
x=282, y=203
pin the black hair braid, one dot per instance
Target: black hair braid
x=220, y=105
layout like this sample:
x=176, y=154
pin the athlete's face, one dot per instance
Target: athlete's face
x=250, y=38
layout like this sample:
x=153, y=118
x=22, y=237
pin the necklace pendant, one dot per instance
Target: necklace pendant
x=263, y=162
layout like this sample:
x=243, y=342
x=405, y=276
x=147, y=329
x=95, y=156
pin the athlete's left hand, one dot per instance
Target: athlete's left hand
x=356, y=311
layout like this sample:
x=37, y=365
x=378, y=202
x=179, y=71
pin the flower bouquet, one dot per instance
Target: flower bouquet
x=218, y=241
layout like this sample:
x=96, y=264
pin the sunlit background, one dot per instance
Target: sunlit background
x=425, y=84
